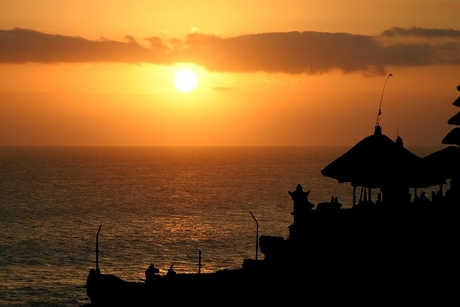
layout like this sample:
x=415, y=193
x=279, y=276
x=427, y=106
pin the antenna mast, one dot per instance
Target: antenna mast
x=377, y=122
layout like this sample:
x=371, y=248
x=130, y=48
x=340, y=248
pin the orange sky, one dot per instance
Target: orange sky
x=270, y=72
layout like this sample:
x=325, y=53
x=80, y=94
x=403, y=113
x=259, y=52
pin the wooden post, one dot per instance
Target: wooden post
x=257, y=235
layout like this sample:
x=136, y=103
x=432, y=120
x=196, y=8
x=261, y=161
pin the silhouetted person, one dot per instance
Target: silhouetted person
x=171, y=270
x=336, y=205
x=423, y=197
x=433, y=196
x=150, y=273
x=379, y=198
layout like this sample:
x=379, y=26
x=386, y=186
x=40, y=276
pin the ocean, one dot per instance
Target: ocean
x=160, y=205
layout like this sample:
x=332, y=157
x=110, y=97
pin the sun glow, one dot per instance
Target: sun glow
x=185, y=80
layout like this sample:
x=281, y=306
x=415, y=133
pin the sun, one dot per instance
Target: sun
x=185, y=80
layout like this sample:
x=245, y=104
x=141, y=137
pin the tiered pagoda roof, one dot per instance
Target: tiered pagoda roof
x=453, y=137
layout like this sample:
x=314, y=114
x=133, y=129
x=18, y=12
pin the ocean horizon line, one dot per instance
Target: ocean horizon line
x=210, y=146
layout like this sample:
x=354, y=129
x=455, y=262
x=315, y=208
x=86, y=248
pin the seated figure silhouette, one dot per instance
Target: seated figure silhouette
x=171, y=270
x=423, y=198
x=333, y=205
x=150, y=273
x=379, y=198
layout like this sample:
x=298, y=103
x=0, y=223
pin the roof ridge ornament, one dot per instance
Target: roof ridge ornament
x=377, y=122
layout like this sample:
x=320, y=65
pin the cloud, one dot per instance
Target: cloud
x=284, y=52
x=26, y=46
x=421, y=32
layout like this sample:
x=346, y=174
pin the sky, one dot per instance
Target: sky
x=270, y=73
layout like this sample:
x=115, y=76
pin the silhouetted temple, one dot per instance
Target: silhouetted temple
x=376, y=162
x=390, y=248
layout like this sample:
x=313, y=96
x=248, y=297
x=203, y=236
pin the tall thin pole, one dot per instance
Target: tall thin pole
x=257, y=235
x=97, y=249
x=199, y=262
x=381, y=99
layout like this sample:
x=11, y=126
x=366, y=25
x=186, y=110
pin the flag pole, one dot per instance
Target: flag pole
x=377, y=123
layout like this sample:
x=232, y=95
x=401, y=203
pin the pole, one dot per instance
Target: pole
x=377, y=122
x=257, y=235
x=97, y=249
x=199, y=262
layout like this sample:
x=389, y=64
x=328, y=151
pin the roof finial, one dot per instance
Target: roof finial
x=377, y=123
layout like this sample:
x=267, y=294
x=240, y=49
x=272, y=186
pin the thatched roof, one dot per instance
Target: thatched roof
x=375, y=162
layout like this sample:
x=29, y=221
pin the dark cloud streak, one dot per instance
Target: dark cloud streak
x=26, y=46
x=291, y=52
x=288, y=52
x=421, y=32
